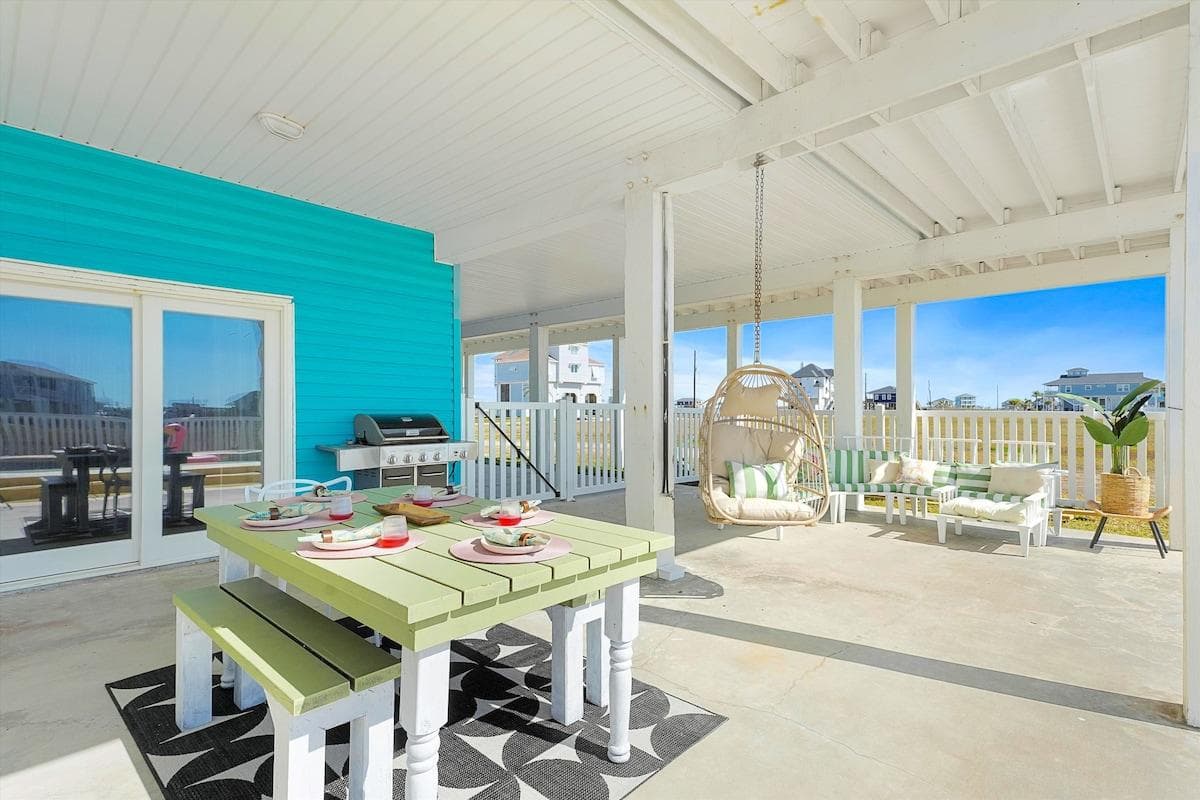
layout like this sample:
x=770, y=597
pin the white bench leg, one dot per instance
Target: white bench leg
x=424, y=696
x=371, y=743
x=247, y=693
x=299, y=756
x=230, y=567
x=193, y=674
x=566, y=665
x=595, y=677
x=903, y=503
x=1023, y=533
x=941, y=523
x=887, y=508
x=958, y=526
x=621, y=624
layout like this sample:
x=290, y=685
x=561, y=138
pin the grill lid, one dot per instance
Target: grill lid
x=377, y=429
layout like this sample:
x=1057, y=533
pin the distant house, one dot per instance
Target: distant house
x=884, y=396
x=965, y=401
x=571, y=374
x=942, y=402
x=42, y=390
x=818, y=385
x=1106, y=388
x=247, y=404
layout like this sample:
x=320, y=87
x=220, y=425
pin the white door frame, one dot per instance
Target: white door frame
x=148, y=299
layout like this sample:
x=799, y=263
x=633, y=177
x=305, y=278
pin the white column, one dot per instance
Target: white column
x=618, y=380
x=733, y=346
x=906, y=397
x=649, y=324
x=1186, y=336
x=848, y=389
x=1173, y=451
x=468, y=374
x=539, y=352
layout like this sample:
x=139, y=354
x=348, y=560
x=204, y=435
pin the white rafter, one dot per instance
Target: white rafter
x=1087, y=68
x=960, y=163
x=872, y=150
x=745, y=41
x=1181, y=163
x=863, y=175
x=1006, y=107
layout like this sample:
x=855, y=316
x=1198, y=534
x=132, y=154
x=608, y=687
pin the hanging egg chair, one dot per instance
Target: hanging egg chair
x=762, y=458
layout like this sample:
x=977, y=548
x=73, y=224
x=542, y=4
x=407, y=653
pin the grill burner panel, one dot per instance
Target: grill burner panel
x=397, y=449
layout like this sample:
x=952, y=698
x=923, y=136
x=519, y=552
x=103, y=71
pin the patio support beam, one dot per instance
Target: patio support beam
x=994, y=48
x=906, y=396
x=618, y=364
x=848, y=388
x=733, y=347
x=1185, y=405
x=539, y=364
x=649, y=328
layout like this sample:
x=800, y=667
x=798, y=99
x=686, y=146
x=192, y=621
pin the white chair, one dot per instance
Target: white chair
x=293, y=487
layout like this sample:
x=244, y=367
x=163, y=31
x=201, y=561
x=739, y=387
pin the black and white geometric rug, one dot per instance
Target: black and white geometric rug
x=500, y=742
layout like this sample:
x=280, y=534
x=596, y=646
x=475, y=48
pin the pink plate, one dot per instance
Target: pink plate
x=472, y=550
x=540, y=518
x=308, y=551
x=355, y=497
x=461, y=500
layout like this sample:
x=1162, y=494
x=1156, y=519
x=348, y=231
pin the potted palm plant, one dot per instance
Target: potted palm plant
x=1123, y=490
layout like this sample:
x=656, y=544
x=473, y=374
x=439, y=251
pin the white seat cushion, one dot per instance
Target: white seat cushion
x=978, y=508
x=759, y=508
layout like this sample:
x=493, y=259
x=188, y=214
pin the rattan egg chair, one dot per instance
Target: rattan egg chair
x=762, y=415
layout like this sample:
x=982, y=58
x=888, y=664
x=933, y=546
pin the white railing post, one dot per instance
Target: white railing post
x=568, y=455
x=1089, y=462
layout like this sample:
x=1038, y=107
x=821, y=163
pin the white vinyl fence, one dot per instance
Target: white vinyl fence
x=579, y=447
x=30, y=434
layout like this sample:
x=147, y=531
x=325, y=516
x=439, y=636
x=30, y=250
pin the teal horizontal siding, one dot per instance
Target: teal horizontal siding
x=375, y=314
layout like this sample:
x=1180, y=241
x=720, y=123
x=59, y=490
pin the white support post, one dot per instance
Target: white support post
x=618, y=380
x=299, y=770
x=906, y=396
x=849, y=390
x=733, y=347
x=567, y=456
x=1176, y=310
x=539, y=365
x=193, y=674
x=424, y=699
x=1187, y=337
x=649, y=325
x=371, y=742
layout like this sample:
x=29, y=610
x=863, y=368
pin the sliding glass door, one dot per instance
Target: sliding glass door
x=123, y=411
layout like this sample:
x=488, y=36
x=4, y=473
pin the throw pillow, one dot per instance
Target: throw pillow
x=744, y=401
x=972, y=477
x=917, y=471
x=1021, y=481
x=757, y=480
x=879, y=471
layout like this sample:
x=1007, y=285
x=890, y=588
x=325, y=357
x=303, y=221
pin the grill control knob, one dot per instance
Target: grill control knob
x=408, y=458
x=421, y=457
x=391, y=459
x=437, y=456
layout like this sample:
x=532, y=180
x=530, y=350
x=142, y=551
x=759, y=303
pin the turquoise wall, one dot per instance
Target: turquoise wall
x=376, y=326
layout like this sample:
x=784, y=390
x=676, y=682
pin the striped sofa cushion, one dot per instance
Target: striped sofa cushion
x=923, y=491
x=850, y=466
x=944, y=474
x=972, y=477
x=864, y=488
x=985, y=495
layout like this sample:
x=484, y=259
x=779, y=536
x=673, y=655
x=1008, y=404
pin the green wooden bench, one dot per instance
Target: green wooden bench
x=313, y=673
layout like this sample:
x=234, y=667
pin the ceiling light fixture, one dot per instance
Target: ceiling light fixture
x=281, y=126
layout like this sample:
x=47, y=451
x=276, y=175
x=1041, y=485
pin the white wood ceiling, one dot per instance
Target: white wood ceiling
x=433, y=114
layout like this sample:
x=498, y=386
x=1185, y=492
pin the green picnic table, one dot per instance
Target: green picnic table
x=424, y=598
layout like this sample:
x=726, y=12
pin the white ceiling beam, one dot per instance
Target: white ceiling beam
x=745, y=41
x=840, y=158
x=841, y=25
x=669, y=22
x=1087, y=68
x=1181, y=163
x=939, y=10
x=1006, y=107
x=960, y=164
x=994, y=47
x=629, y=25
x=874, y=152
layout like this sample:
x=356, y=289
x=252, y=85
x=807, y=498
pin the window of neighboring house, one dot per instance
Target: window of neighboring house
x=1123, y=387
x=505, y=391
x=573, y=348
x=574, y=368
x=591, y=398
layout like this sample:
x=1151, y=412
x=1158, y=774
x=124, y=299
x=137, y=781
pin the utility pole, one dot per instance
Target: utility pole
x=695, y=397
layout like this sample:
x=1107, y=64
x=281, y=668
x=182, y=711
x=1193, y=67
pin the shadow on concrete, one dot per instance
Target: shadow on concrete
x=1081, y=698
x=689, y=587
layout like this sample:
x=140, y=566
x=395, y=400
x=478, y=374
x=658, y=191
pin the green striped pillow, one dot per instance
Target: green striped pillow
x=973, y=477
x=757, y=480
x=944, y=474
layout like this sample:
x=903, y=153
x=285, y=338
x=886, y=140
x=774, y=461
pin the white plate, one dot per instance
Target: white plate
x=353, y=544
x=274, y=523
x=505, y=550
x=526, y=515
x=312, y=498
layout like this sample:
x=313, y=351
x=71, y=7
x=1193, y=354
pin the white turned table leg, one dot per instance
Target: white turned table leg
x=621, y=623
x=424, y=697
x=371, y=741
x=595, y=677
x=566, y=665
x=230, y=567
x=193, y=674
x=299, y=757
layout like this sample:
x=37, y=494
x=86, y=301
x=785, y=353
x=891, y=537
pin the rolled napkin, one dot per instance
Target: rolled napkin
x=515, y=537
x=340, y=535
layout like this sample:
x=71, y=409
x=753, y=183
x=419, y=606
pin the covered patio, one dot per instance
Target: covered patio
x=286, y=231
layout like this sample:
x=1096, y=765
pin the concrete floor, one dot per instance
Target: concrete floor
x=863, y=661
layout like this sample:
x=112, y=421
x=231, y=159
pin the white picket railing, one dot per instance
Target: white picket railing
x=30, y=434
x=580, y=449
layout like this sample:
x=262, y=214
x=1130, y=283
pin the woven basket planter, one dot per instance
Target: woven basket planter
x=1127, y=494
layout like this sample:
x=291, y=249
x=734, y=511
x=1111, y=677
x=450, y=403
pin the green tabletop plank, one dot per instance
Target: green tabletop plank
x=657, y=541
x=476, y=585
x=521, y=576
x=624, y=546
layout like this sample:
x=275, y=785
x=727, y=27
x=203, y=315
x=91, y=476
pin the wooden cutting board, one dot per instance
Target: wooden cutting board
x=416, y=515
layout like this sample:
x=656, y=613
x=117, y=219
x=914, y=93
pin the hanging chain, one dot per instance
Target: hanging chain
x=758, y=256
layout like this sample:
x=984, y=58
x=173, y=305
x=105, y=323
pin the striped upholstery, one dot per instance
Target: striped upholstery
x=864, y=488
x=996, y=496
x=972, y=478
x=925, y=491
x=945, y=474
x=850, y=466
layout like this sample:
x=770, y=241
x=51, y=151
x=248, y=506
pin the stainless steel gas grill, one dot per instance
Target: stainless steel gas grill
x=399, y=449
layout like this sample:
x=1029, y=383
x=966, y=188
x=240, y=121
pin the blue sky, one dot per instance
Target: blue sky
x=1008, y=344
